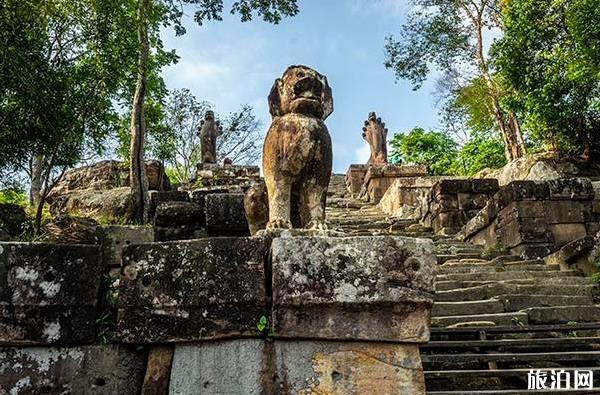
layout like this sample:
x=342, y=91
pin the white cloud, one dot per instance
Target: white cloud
x=363, y=154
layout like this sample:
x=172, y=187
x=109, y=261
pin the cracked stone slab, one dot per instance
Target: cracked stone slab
x=98, y=370
x=48, y=293
x=353, y=288
x=258, y=366
x=192, y=290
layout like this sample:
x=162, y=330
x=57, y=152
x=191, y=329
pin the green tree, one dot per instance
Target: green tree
x=479, y=153
x=61, y=67
x=436, y=150
x=449, y=36
x=150, y=16
x=173, y=139
x=549, y=59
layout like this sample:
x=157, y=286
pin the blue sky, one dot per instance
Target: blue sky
x=230, y=63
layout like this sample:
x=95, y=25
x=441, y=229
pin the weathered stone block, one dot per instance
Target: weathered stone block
x=360, y=288
x=157, y=197
x=13, y=220
x=515, y=232
x=349, y=368
x=48, y=293
x=116, y=237
x=522, y=190
x=565, y=233
x=234, y=367
x=254, y=366
x=355, y=176
x=198, y=196
x=451, y=187
x=566, y=211
x=225, y=215
x=102, y=370
x=472, y=201
x=192, y=290
x=181, y=232
x=485, y=185
x=211, y=174
x=178, y=213
x=445, y=203
x=571, y=189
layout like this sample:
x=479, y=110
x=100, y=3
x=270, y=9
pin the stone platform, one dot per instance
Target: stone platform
x=234, y=315
x=208, y=175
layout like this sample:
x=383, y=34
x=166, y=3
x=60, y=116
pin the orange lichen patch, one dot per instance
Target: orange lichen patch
x=365, y=368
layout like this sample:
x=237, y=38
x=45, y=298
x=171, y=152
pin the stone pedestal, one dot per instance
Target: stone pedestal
x=379, y=178
x=408, y=197
x=209, y=175
x=293, y=314
x=355, y=176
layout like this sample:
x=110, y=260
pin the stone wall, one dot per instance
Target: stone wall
x=233, y=315
x=210, y=174
x=452, y=203
x=408, y=197
x=536, y=218
x=208, y=211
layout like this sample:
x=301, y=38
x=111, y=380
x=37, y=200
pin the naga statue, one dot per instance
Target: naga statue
x=375, y=133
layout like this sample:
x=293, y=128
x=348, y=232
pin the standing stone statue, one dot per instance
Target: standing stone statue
x=375, y=133
x=297, y=153
x=210, y=129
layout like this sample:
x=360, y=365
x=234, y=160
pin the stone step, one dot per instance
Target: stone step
x=563, y=314
x=453, y=284
x=509, y=275
x=472, y=381
x=488, y=291
x=513, y=357
x=509, y=303
x=494, y=267
x=550, y=302
x=503, y=319
x=489, y=306
x=512, y=392
x=445, y=257
x=508, y=344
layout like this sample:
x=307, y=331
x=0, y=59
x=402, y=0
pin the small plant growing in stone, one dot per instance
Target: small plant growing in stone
x=494, y=251
x=263, y=324
x=517, y=321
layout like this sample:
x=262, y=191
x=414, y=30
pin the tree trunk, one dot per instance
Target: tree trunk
x=139, y=180
x=508, y=124
x=37, y=168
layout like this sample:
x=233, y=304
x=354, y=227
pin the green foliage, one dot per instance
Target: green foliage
x=471, y=105
x=478, y=153
x=14, y=196
x=436, y=150
x=262, y=324
x=434, y=36
x=269, y=10
x=549, y=59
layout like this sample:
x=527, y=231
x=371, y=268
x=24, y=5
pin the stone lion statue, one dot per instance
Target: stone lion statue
x=297, y=154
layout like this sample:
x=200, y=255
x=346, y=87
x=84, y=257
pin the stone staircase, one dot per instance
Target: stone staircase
x=495, y=316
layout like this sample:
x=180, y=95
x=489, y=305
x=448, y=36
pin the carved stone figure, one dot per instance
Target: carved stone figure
x=210, y=129
x=297, y=154
x=375, y=133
